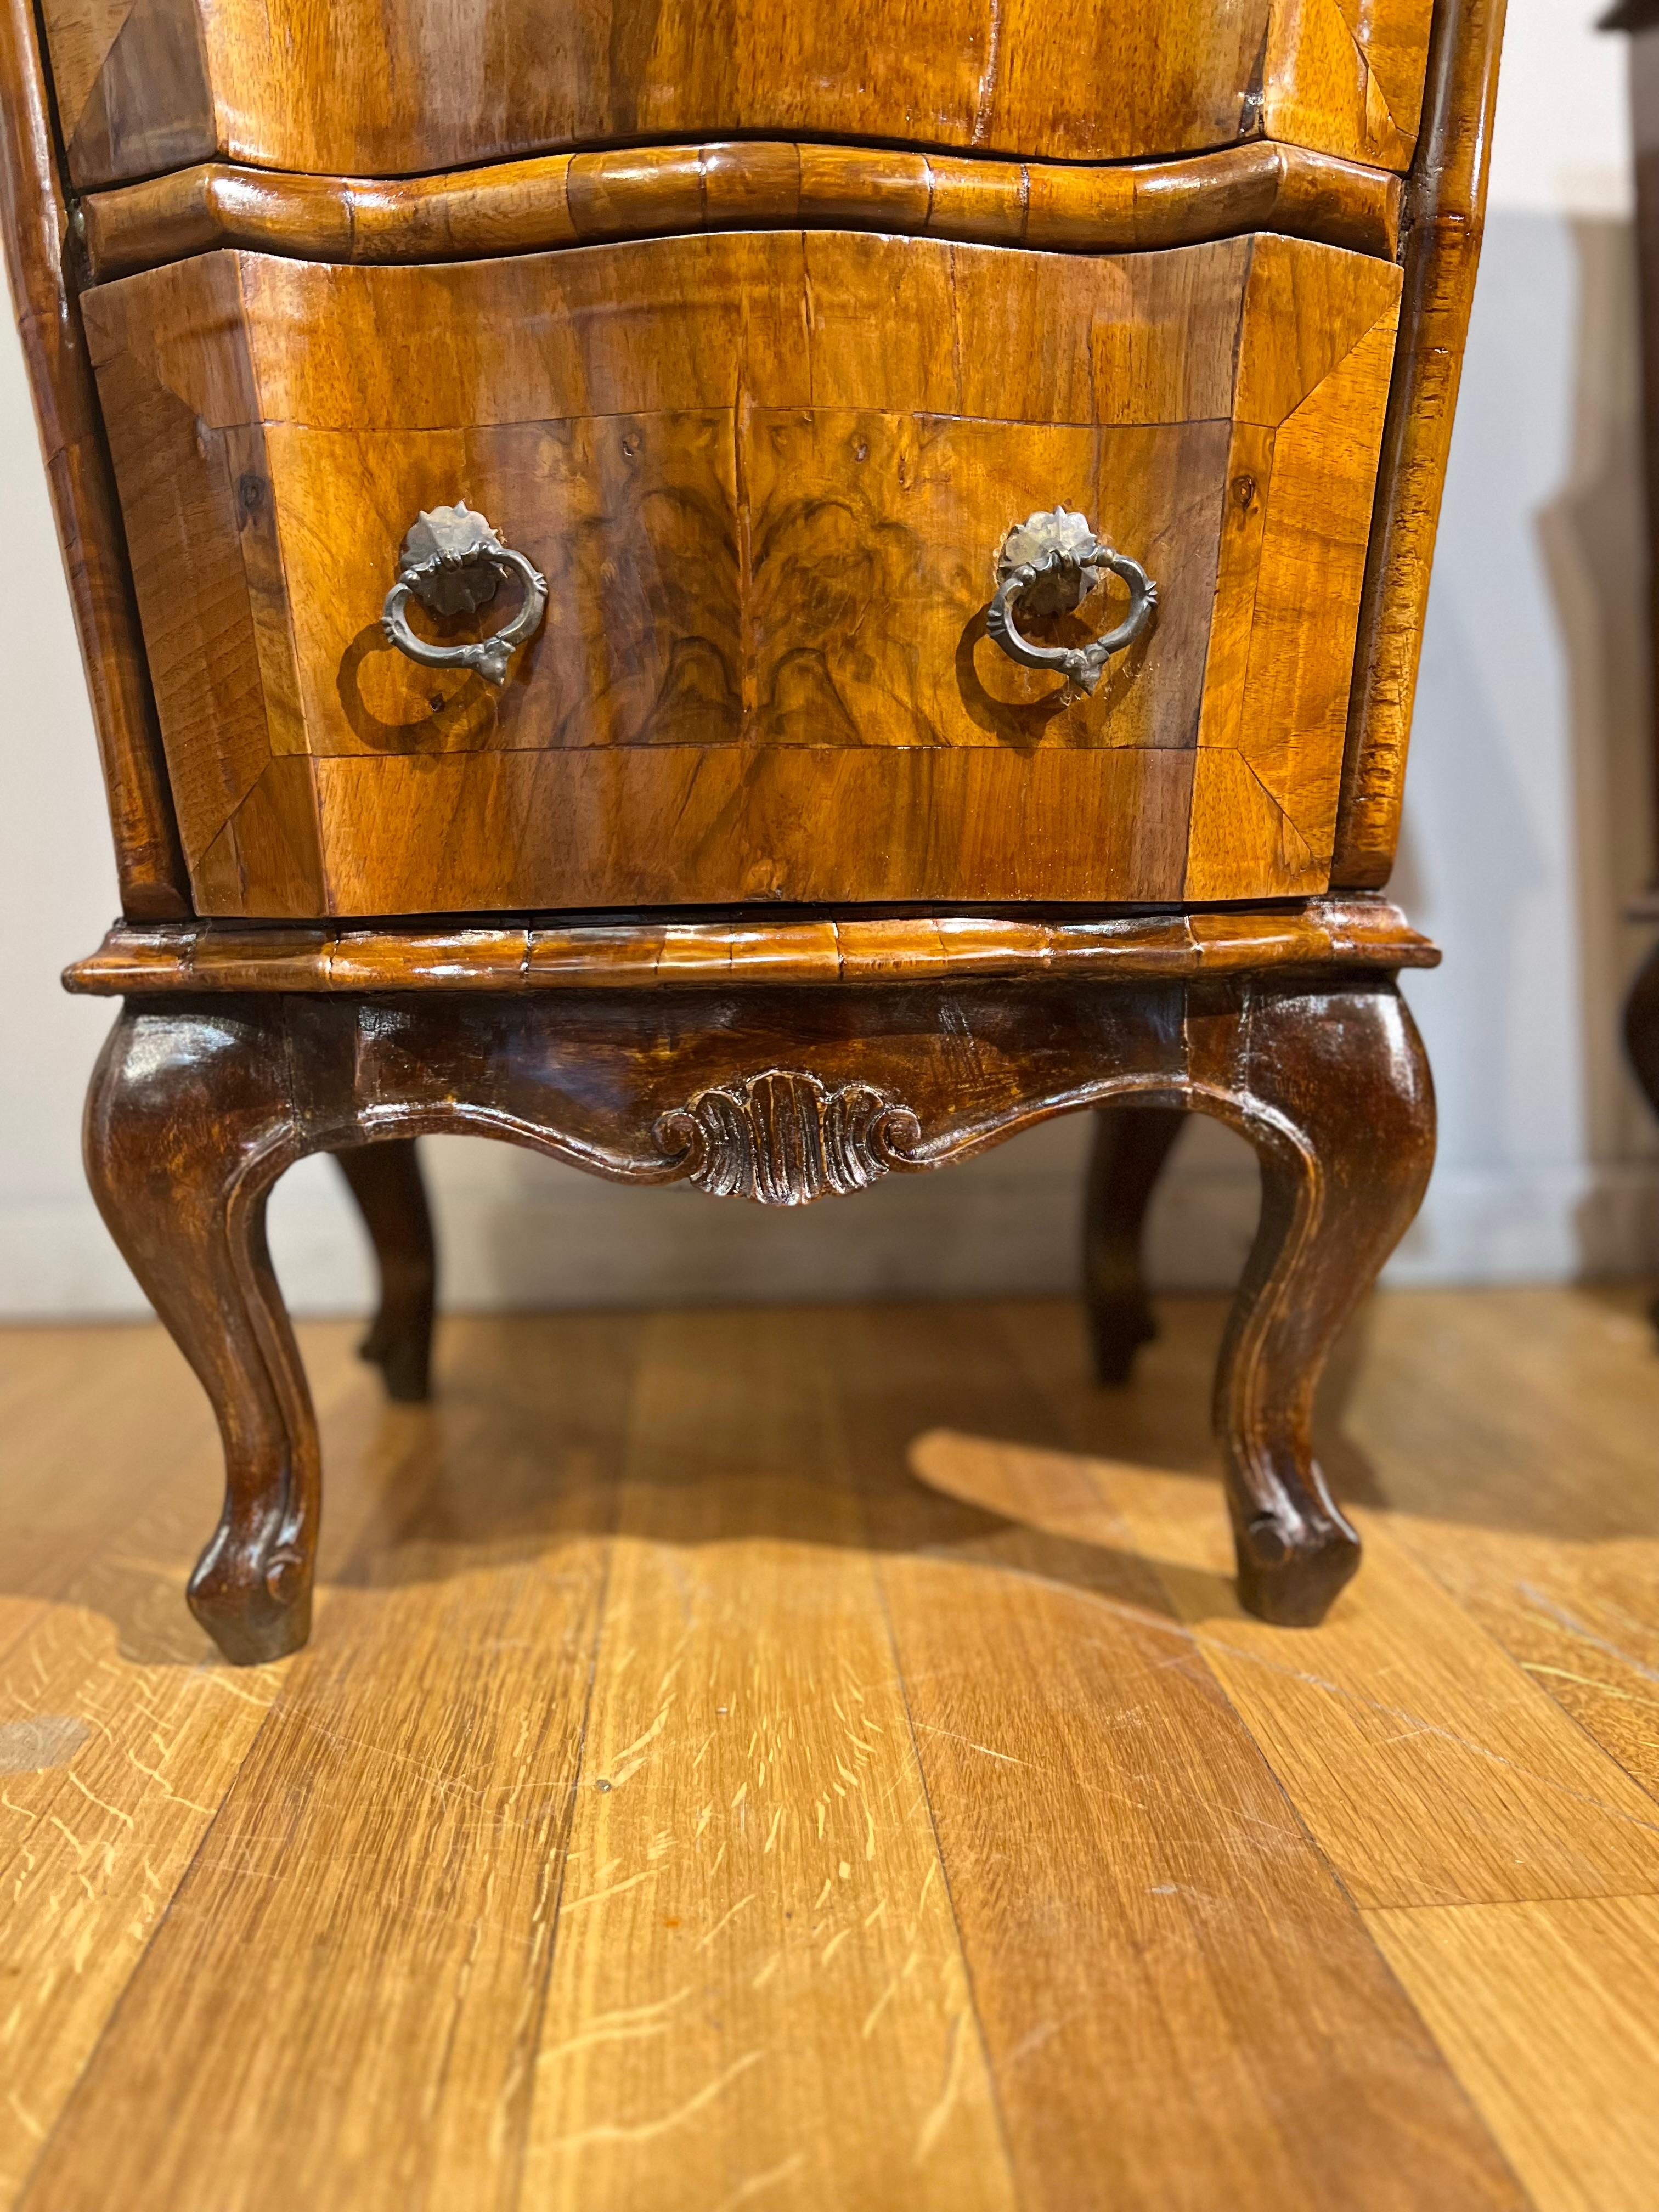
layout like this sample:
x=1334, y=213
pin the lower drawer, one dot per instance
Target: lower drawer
x=765, y=477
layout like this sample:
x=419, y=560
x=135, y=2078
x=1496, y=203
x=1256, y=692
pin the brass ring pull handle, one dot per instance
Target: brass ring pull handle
x=451, y=561
x=1050, y=564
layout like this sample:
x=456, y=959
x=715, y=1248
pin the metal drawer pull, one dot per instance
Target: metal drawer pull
x=452, y=560
x=1050, y=564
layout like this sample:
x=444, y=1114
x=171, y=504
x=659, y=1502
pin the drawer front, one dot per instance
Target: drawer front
x=765, y=478
x=383, y=87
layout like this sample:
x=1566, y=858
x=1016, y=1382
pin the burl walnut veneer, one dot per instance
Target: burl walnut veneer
x=766, y=595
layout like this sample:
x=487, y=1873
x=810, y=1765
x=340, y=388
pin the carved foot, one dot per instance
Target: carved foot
x=188, y=1128
x=1130, y=1147
x=385, y=1181
x=1332, y=1089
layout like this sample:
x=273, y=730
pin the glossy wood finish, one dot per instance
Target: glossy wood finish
x=1445, y=206
x=199, y=1104
x=385, y=1181
x=671, y=954
x=567, y=199
x=34, y=232
x=766, y=624
x=145, y=86
x=1445, y=213
x=138, y=48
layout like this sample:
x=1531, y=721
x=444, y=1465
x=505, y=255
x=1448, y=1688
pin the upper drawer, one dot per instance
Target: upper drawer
x=387, y=88
x=766, y=478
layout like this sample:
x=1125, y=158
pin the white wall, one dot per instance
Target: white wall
x=1526, y=827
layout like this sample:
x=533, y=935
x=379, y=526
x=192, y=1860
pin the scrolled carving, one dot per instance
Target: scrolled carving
x=783, y=1138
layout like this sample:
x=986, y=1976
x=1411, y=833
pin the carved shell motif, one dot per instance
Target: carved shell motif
x=784, y=1140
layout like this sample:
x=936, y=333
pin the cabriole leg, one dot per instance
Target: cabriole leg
x=1336, y=1098
x=188, y=1125
x=1130, y=1144
x=386, y=1183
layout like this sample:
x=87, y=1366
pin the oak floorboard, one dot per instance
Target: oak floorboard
x=121, y=1728
x=757, y=1991
x=1550, y=2014
x=363, y=1930
x=351, y=1969
x=1431, y=1769
x=1139, y=1903
x=1534, y=1502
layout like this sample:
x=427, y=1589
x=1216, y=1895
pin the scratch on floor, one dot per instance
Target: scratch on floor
x=1006, y=1757
x=30, y=2125
x=757, y=2181
x=626, y=1764
x=1414, y=1722
x=1589, y=1682
x=934, y=2124
x=1542, y=1603
x=621, y=2027
x=114, y=1811
x=1035, y=2040
x=725, y=1920
x=167, y=1789
x=598, y=1896
x=648, y=2131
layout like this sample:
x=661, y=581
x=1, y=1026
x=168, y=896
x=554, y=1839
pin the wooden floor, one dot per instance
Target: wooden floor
x=814, y=1760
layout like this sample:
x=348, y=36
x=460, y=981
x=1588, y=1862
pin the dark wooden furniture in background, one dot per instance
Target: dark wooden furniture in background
x=1641, y=19
x=804, y=827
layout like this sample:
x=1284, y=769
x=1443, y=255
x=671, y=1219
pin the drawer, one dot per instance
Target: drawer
x=766, y=478
x=386, y=87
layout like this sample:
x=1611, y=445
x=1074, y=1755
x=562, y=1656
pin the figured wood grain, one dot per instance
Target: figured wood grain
x=755, y=1935
x=688, y=954
x=152, y=84
x=35, y=238
x=1445, y=213
x=1290, y=716
x=1550, y=2013
x=1308, y=71
x=765, y=629
x=523, y=207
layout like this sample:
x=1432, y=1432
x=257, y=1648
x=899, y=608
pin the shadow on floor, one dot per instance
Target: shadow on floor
x=811, y=1427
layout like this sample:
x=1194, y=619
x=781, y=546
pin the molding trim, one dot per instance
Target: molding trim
x=653, y=192
x=679, y=952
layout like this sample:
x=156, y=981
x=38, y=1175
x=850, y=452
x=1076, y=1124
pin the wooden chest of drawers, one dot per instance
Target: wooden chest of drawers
x=362, y=88
x=826, y=531
x=765, y=475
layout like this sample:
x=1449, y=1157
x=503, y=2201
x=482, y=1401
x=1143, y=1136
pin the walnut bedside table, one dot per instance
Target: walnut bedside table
x=768, y=595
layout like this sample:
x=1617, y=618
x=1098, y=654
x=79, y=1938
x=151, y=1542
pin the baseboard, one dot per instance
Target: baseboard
x=518, y=1233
